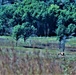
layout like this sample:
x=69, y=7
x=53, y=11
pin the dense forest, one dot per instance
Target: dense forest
x=22, y=18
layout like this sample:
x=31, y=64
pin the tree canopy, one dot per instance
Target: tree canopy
x=41, y=17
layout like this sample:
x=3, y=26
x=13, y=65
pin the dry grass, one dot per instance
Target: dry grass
x=36, y=62
x=31, y=61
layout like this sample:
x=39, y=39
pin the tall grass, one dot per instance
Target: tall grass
x=34, y=62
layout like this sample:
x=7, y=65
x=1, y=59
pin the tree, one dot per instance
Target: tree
x=64, y=33
x=45, y=16
x=25, y=30
x=17, y=31
x=70, y=29
x=28, y=30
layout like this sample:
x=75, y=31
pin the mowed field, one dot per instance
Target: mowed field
x=36, y=56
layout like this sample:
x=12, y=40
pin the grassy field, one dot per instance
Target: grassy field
x=32, y=40
x=18, y=60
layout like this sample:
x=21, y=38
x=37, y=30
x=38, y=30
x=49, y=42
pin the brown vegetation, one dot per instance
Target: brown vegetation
x=14, y=62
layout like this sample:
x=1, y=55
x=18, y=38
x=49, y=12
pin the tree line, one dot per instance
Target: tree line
x=23, y=18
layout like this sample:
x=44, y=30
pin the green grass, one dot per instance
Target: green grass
x=72, y=42
x=34, y=40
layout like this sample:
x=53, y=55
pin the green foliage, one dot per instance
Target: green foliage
x=44, y=16
x=71, y=28
x=60, y=31
x=53, y=8
x=67, y=19
x=24, y=30
x=17, y=31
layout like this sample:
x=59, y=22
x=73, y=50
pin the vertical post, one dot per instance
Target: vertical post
x=62, y=42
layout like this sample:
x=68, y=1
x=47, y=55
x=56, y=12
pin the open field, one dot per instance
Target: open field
x=35, y=60
x=33, y=40
x=38, y=42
